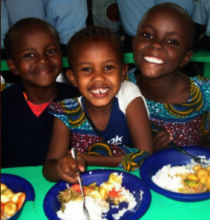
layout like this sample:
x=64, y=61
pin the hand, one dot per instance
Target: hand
x=68, y=168
x=161, y=140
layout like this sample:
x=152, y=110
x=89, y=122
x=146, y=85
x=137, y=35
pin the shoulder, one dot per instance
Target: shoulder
x=200, y=81
x=66, y=105
x=11, y=90
x=66, y=91
x=127, y=86
x=131, y=75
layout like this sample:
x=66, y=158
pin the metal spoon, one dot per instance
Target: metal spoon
x=74, y=155
x=196, y=159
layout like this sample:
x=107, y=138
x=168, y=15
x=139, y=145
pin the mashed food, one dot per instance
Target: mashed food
x=98, y=200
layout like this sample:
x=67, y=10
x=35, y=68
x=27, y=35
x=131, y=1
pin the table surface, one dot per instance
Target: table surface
x=161, y=208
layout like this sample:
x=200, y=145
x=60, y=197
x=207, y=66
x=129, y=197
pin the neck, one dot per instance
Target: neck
x=164, y=89
x=38, y=95
x=99, y=115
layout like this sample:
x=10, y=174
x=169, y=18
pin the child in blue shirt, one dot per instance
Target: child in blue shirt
x=178, y=105
x=109, y=115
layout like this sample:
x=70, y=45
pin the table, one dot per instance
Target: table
x=161, y=208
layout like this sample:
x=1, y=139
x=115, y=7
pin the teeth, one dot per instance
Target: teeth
x=99, y=91
x=153, y=60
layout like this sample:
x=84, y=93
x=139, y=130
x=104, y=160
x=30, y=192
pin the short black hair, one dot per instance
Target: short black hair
x=95, y=31
x=15, y=27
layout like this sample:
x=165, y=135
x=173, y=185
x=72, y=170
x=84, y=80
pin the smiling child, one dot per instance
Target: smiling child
x=109, y=116
x=178, y=105
x=34, y=54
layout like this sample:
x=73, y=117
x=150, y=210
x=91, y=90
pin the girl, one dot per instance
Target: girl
x=32, y=46
x=96, y=123
x=178, y=105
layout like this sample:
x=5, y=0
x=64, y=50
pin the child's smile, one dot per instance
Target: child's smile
x=160, y=48
x=100, y=92
x=152, y=59
x=97, y=71
x=37, y=56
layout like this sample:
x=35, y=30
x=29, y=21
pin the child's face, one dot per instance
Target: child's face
x=97, y=70
x=161, y=44
x=36, y=56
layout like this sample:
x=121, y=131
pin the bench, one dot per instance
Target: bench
x=200, y=56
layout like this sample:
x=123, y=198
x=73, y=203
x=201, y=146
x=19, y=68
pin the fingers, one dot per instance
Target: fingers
x=68, y=168
x=161, y=140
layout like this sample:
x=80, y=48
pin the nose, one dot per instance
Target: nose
x=41, y=58
x=98, y=76
x=157, y=45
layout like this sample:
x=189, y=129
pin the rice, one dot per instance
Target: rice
x=167, y=177
x=98, y=208
x=74, y=210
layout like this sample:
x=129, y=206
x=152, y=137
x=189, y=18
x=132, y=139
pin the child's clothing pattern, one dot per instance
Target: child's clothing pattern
x=187, y=122
x=73, y=113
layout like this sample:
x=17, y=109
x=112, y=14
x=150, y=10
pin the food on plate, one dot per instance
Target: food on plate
x=98, y=200
x=191, y=178
x=10, y=202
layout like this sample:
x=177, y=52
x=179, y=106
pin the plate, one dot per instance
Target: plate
x=131, y=182
x=18, y=184
x=170, y=156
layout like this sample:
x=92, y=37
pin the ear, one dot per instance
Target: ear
x=124, y=71
x=12, y=66
x=71, y=77
x=186, y=58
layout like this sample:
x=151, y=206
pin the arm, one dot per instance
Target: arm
x=99, y=160
x=138, y=123
x=59, y=163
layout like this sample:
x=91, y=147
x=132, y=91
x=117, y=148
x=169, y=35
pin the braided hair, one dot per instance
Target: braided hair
x=94, y=32
x=18, y=25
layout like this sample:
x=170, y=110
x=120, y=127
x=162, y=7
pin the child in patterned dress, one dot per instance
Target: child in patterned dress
x=107, y=119
x=178, y=105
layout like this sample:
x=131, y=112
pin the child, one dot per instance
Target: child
x=178, y=105
x=96, y=123
x=33, y=52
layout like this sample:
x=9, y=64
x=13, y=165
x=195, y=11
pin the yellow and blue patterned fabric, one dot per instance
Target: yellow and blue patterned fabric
x=85, y=139
x=187, y=122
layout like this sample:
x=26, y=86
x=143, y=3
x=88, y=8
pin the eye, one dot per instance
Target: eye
x=146, y=35
x=109, y=67
x=86, y=69
x=28, y=55
x=51, y=51
x=174, y=42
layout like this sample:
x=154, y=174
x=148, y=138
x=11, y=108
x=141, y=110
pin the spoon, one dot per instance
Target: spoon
x=196, y=159
x=74, y=155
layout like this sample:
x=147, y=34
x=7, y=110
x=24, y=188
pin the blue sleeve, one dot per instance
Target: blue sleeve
x=19, y=9
x=131, y=13
x=67, y=16
x=4, y=22
x=188, y=5
x=202, y=14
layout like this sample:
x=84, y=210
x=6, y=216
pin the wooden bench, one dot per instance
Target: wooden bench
x=200, y=56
